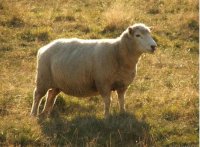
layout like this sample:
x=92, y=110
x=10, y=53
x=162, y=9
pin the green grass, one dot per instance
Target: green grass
x=162, y=102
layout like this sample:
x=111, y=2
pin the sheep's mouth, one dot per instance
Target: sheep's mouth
x=153, y=50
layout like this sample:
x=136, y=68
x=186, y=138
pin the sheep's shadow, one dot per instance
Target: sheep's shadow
x=117, y=130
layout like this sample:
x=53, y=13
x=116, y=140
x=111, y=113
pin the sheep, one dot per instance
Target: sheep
x=85, y=68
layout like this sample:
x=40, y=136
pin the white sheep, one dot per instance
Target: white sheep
x=86, y=68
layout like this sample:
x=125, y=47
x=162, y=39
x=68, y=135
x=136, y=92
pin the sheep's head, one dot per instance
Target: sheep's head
x=142, y=38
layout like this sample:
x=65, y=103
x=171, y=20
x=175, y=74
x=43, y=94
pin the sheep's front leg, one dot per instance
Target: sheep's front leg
x=121, y=98
x=105, y=92
x=107, y=100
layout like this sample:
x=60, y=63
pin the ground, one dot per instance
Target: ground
x=162, y=102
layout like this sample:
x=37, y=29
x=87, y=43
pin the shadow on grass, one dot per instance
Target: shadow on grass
x=117, y=130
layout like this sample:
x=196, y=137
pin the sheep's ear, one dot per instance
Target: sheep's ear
x=130, y=31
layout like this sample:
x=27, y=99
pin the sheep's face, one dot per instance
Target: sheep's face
x=142, y=38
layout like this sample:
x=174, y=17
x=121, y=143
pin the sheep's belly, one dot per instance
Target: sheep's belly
x=83, y=91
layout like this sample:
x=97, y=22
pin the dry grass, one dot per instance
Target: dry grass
x=162, y=101
x=117, y=17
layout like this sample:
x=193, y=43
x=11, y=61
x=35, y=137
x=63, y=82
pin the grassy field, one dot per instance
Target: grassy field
x=162, y=102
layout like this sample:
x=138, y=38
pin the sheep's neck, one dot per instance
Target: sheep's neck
x=128, y=60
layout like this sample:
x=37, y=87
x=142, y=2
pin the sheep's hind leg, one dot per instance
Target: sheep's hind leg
x=37, y=97
x=50, y=100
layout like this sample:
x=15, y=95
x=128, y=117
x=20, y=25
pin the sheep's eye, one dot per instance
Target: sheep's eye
x=137, y=35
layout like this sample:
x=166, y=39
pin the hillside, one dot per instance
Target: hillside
x=162, y=102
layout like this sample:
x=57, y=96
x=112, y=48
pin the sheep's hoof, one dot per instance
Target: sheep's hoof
x=43, y=115
x=123, y=111
x=33, y=114
x=106, y=116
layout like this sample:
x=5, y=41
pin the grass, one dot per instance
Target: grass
x=162, y=102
